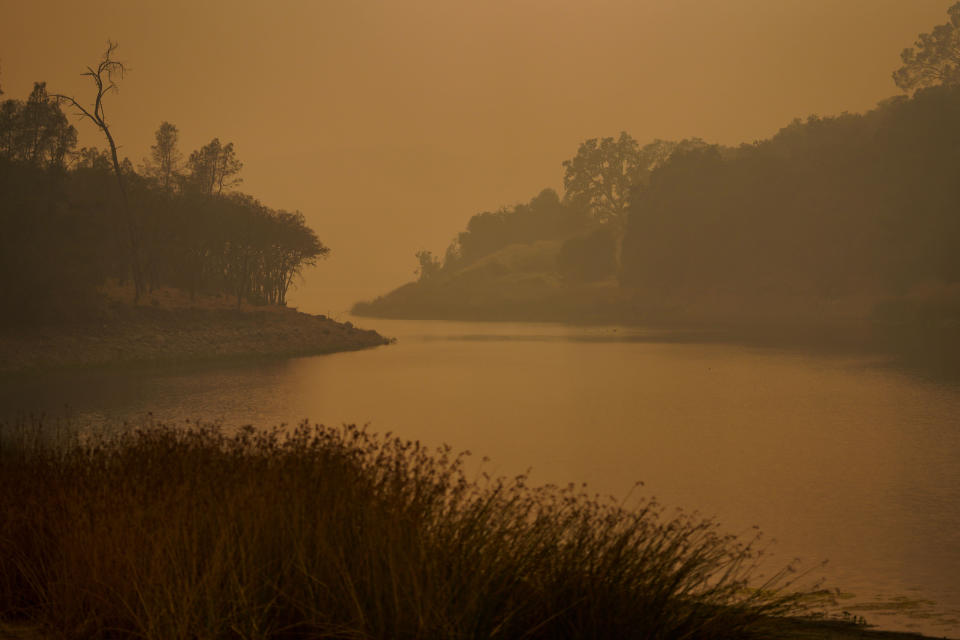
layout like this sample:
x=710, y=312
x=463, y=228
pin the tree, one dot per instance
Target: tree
x=214, y=167
x=604, y=175
x=295, y=246
x=429, y=264
x=935, y=57
x=36, y=131
x=605, y=172
x=103, y=79
x=601, y=176
x=92, y=158
x=164, y=156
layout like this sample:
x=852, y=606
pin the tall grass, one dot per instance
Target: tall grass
x=312, y=532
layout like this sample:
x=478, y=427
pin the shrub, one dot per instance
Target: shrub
x=188, y=532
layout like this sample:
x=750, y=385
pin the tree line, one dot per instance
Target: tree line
x=590, y=219
x=73, y=218
x=829, y=208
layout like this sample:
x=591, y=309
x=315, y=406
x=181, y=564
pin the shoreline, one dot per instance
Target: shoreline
x=930, y=348
x=161, y=335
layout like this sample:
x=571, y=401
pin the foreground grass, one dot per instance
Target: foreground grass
x=314, y=532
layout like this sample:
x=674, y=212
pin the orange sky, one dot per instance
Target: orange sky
x=390, y=123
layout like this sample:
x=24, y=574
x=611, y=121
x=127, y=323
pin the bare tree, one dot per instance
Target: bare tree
x=103, y=78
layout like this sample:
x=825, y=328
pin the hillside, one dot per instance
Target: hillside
x=839, y=226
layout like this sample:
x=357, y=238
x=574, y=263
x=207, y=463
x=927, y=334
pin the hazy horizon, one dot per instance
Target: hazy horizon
x=389, y=126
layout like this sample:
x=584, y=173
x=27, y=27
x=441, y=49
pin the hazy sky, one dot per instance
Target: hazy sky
x=390, y=123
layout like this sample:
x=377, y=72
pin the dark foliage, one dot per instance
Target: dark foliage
x=830, y=207
x=589, y=256
x=545, y=217
x=64, y=230
x=935, y=57
x=56, y=244
x=174, y=532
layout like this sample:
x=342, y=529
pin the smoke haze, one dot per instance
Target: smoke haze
x=390, y=124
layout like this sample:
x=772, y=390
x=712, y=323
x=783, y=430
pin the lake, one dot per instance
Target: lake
x=837, y=457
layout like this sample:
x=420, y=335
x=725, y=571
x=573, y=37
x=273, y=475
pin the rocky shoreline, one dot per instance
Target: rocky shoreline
x=145, y=334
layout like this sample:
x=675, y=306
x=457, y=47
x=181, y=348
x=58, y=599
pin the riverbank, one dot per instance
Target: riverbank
x=168, y=327
x=918, y=330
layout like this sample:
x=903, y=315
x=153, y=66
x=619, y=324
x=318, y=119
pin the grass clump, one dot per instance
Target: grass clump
x=315, y=532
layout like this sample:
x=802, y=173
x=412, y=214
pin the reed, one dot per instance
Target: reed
x=187, y=531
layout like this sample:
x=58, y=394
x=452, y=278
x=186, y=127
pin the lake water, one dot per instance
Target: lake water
x=837, y=457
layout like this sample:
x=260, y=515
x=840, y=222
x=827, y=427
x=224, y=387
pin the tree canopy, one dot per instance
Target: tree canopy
x=935, y=57
x=36, y=131
x=543, y=217
x=214, y=167
x=165, y=158
x=604, y=175
x=829, y=208
x=59, y=209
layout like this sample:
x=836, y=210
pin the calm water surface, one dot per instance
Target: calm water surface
x=838, y=458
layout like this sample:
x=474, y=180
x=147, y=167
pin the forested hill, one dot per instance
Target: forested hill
x=828, y=209
x=836, y=220
x=72, y=219
x=848, y=222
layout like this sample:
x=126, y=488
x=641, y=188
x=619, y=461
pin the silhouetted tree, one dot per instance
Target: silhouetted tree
x=429, y=266
x=544, y=217
x=293, y=246
x=36, y=131
x=603, y=175
x=92, y=158
x=164, y=157
x=214, y=167
x=58, y=244
x=103, y=79
x=453, y=255
x=934, y=58
x=853, y=205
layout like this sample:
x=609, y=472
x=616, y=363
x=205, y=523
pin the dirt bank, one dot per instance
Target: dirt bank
x=166, y=329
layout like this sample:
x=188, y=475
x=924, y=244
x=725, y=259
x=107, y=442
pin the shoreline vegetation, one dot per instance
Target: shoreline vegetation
x=837, y=231
x=170, y=327
x=171, y=532
x=920, y=332
x=75, y=220
x=206, y=269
